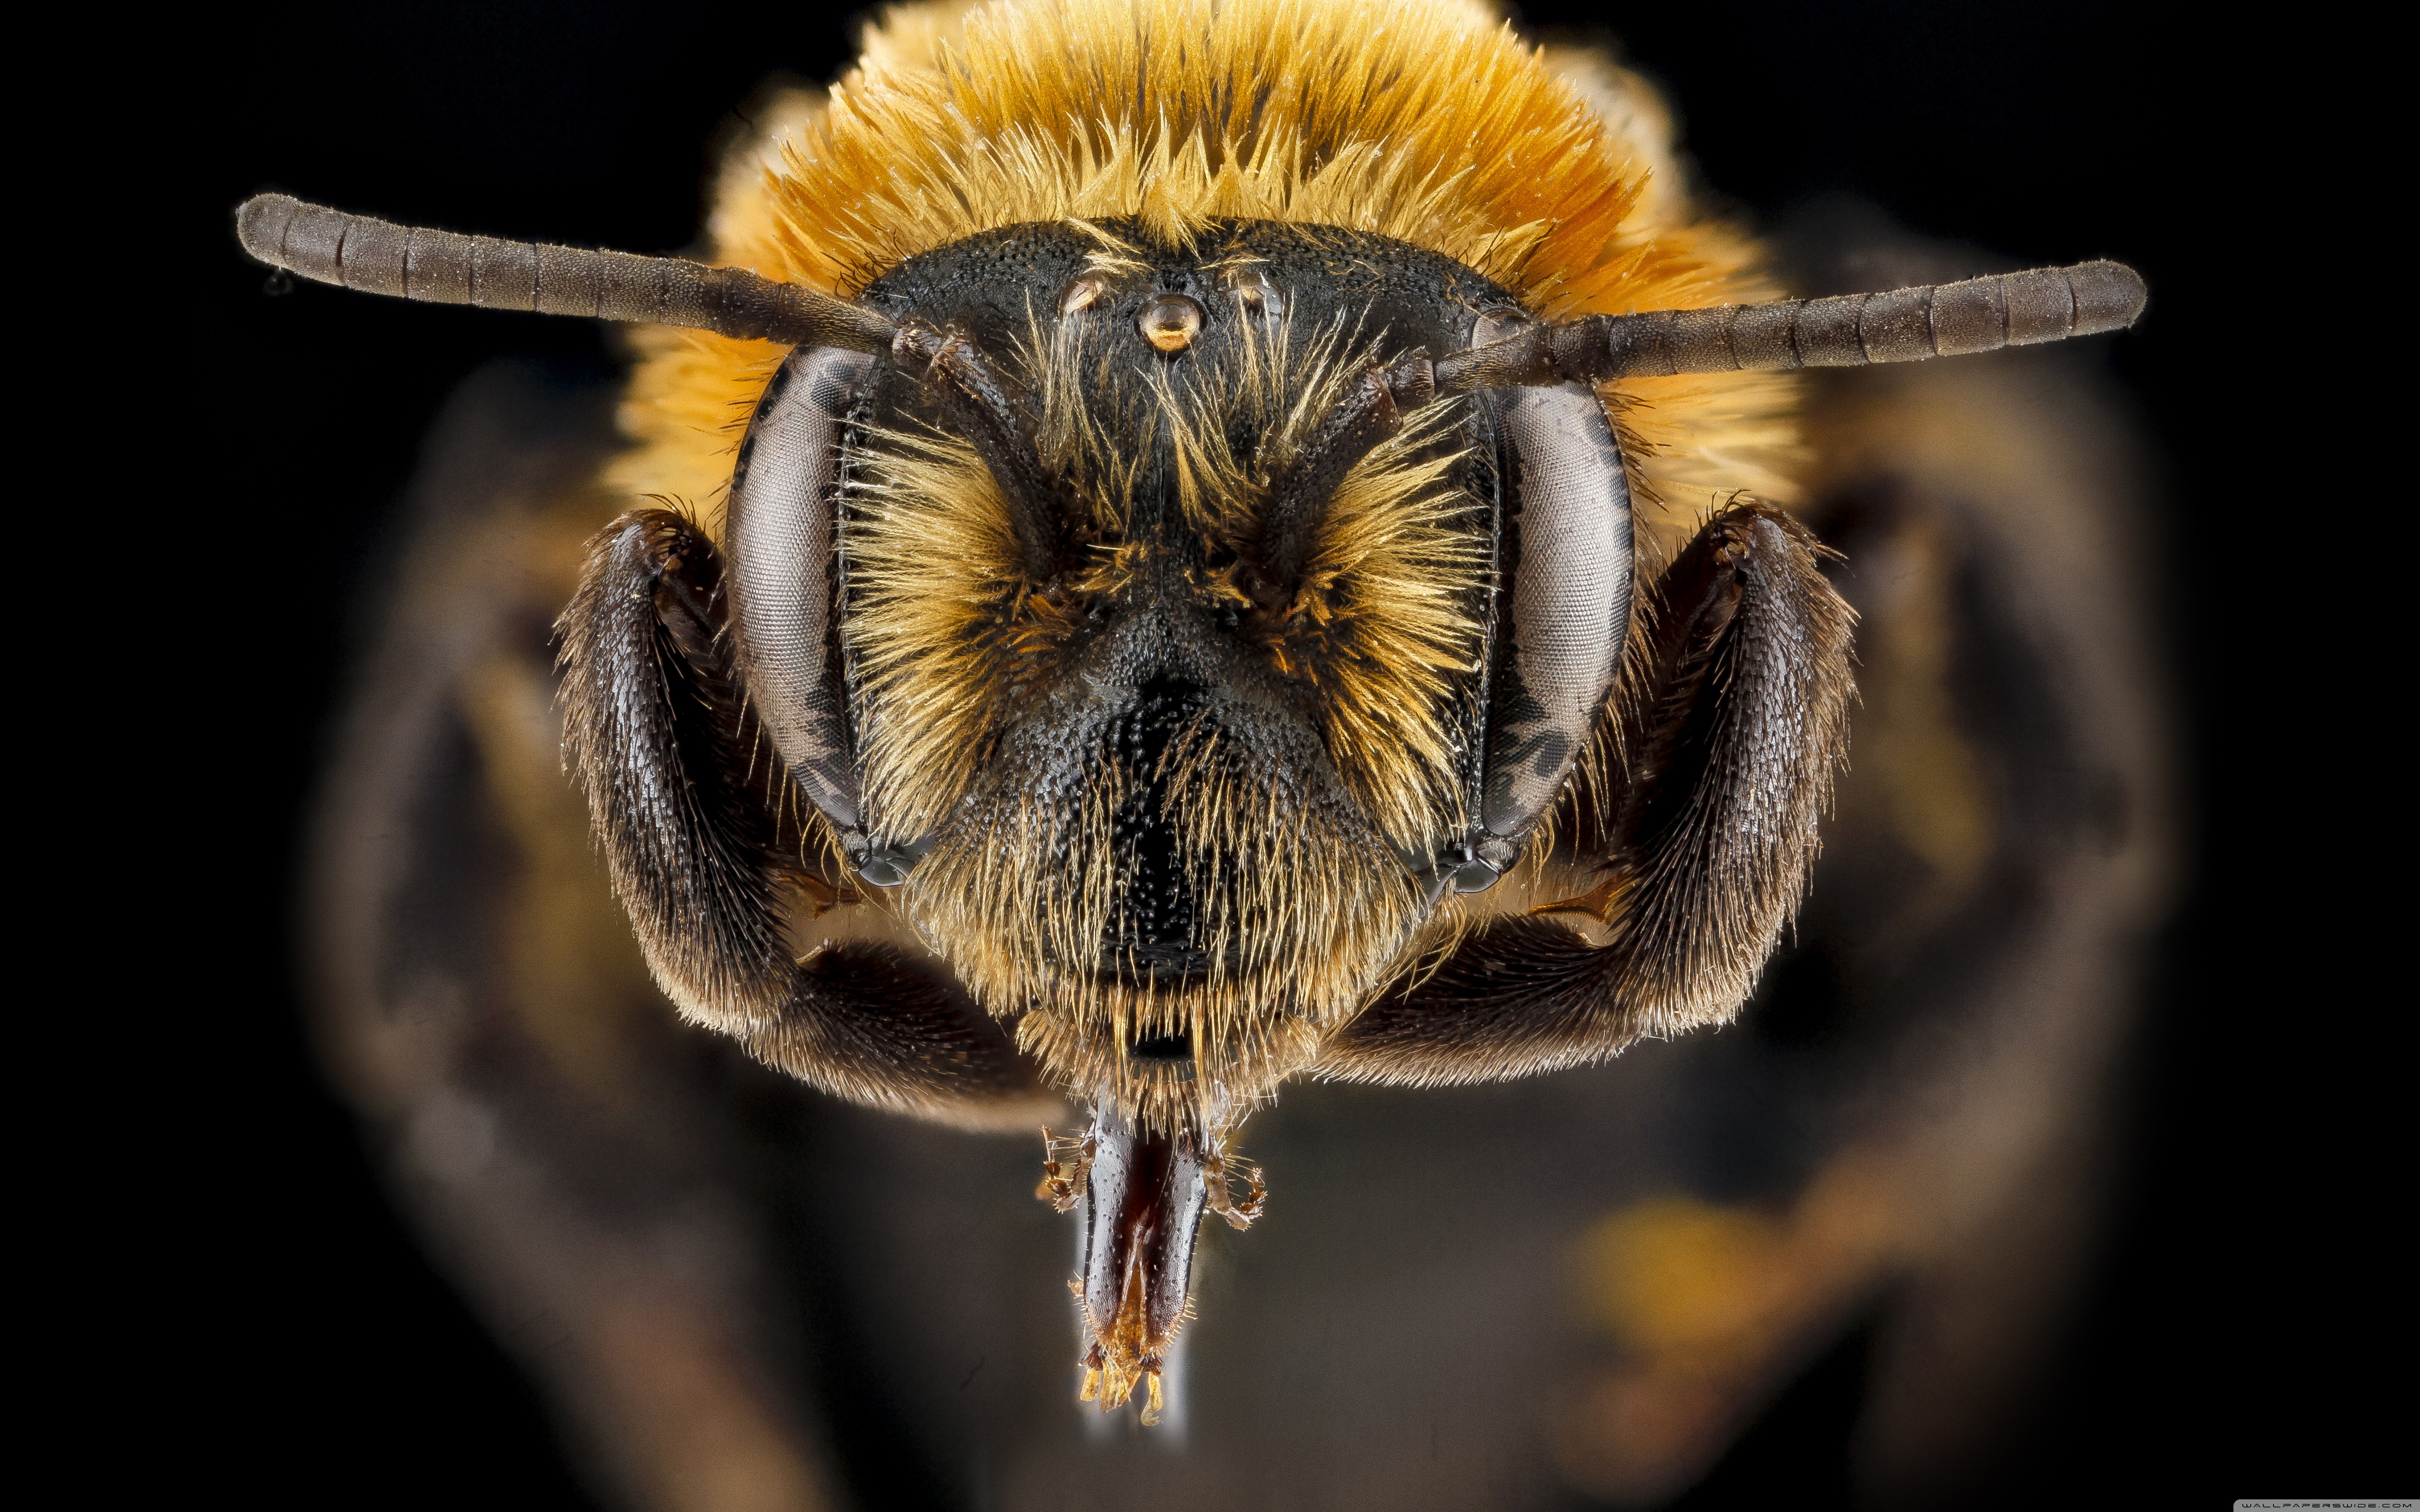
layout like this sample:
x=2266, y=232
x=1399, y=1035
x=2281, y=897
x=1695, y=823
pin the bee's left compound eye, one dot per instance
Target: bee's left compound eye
x=1170, y=322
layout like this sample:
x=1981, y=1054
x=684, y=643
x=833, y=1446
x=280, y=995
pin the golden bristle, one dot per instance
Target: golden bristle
x=1311, y=913
x=1302, y=911
x=935, y=568
x=1425, y=120
x=1386, y=594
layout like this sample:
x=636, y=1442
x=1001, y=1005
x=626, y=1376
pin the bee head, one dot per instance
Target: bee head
x=1170, y=689
x=1149, y=606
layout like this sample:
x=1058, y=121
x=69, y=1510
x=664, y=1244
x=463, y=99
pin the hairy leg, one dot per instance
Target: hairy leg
x=693, y=815
x=1731, y=730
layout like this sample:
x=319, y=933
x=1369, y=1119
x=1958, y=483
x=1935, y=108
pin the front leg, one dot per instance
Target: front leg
x=700, y=828
x=1730, y=733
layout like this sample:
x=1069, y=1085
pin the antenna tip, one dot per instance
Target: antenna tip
x=2108, y=296
x=260, y=225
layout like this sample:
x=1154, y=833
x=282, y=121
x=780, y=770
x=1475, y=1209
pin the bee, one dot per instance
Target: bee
x=1197, y=549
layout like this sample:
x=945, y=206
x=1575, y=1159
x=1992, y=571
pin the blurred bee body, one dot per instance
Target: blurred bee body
x=1260, y=546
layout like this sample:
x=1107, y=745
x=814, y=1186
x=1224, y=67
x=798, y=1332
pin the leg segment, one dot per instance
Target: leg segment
x=1732, y=725
x=653, y=727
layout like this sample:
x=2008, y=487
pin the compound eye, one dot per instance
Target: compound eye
x=1170, y=322
x=783, y=516
x=1084, y=291
x=1569, y=605
x=1256, y=296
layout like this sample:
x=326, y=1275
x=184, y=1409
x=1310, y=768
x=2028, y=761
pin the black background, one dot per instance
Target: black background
x=270, y=1326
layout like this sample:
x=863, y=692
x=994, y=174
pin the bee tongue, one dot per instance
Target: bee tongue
x=1143, y=1198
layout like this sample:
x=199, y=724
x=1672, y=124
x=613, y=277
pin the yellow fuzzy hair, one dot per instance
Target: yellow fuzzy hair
x=949, y=634
x=1424, y=120
x=1302, y=914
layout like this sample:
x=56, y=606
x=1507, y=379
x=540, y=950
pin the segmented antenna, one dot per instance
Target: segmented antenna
x=1979, y=314
x=447, y=268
